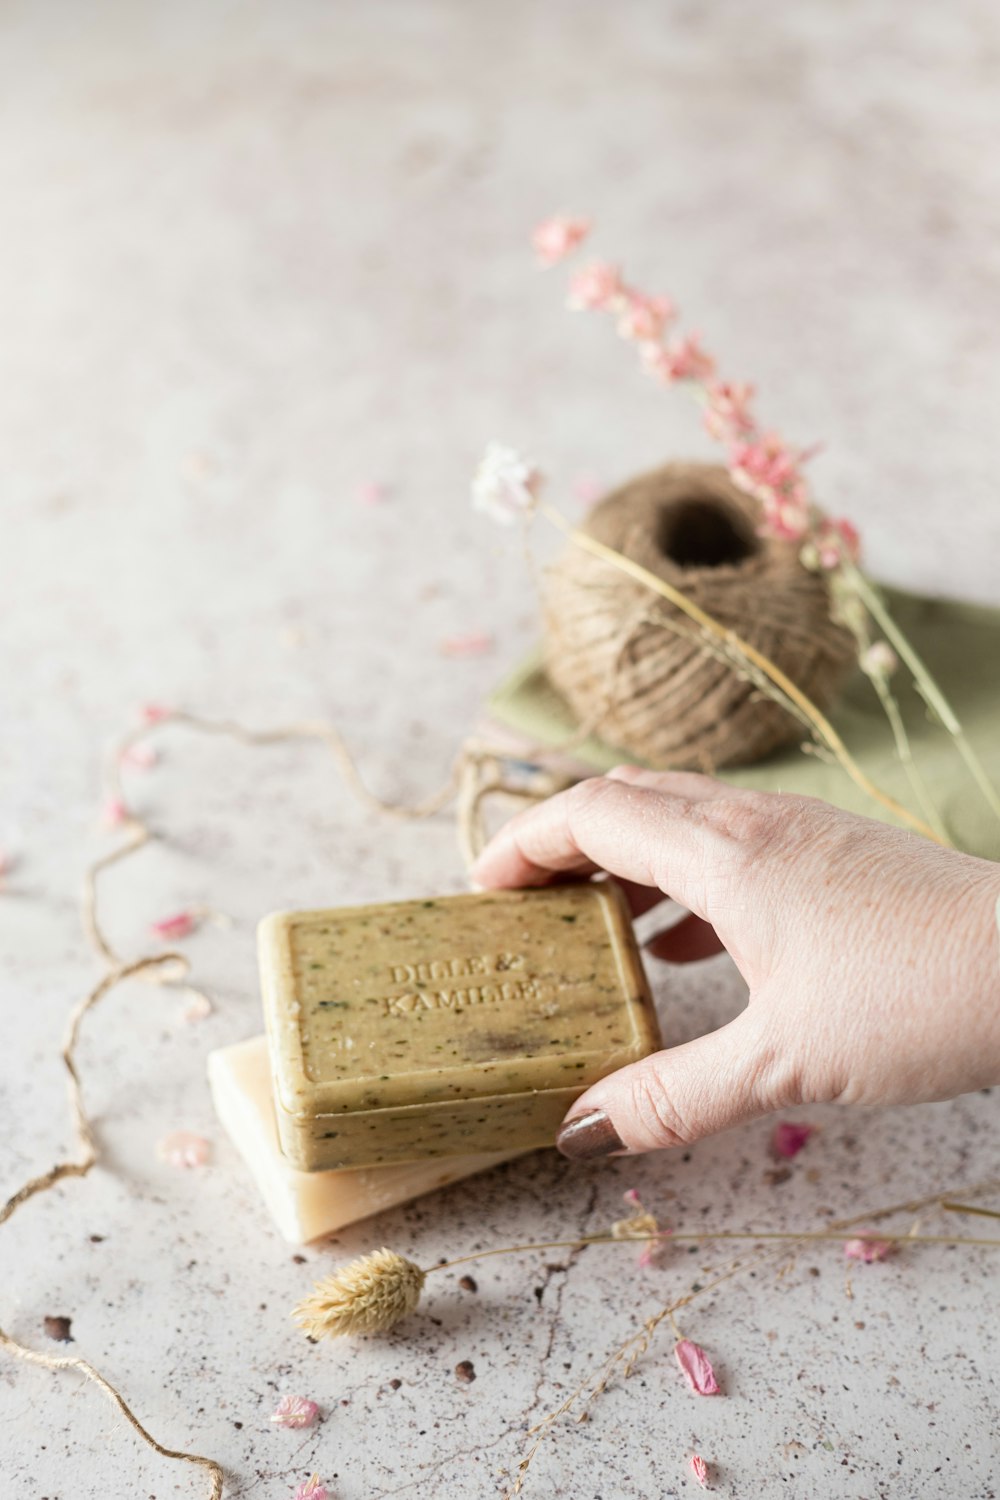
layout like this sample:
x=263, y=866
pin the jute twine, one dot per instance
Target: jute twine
x=640, y=672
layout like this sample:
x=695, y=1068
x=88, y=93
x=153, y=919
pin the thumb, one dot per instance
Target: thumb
x=674, y=1097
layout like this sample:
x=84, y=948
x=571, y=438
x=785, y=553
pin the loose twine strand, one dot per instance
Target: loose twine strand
x=477, y=772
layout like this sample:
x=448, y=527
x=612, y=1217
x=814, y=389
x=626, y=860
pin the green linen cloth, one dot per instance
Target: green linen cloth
x=960, y=645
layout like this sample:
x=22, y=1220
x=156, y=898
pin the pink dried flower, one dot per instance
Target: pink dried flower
x=141, y=756
x=155, y=713
x=644, y=318
x=879, y=659
x=681, y=359
x=180, y=925
x=114, y=813
x=786, y=518
x=699, y=1468
x=789, y=1136
x=869, y=1249
x=311, y=1489
x=506, y=484
x=837, y=540
x=475, y=643
x=696, y=1368
x=597, y=286
x=727, y=415
x=553, y=239
x=295, y=1411
x=631, y=1196
x=182, y=1148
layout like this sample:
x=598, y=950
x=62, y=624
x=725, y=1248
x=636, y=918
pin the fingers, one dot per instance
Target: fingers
x=654, y=829
x=674, y=1097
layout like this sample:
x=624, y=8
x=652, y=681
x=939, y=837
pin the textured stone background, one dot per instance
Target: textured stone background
x=252, y=257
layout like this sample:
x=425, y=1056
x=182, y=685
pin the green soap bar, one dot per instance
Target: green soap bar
x=442, y=1028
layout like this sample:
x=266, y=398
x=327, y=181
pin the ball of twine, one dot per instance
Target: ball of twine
x=634, y=668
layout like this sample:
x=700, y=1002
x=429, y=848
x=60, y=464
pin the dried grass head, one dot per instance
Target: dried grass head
x=367, y=1296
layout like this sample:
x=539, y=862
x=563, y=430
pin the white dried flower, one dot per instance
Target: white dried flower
x=879, y=660
x=506, y=484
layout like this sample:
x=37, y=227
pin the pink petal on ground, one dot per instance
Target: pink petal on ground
x=199, y=1008
x=155, y=713
x=869, y=1250
x=371, y=492
x=587, y=489
x=295, y=1411
x=475, y=643
x=114, y=813
x=141, y=756
x=180, y=925
x=789, y=1136
x=311, y=1489
x=696, y=1368
x=182, y=1148
x=699, y=1468
x=631, y=1195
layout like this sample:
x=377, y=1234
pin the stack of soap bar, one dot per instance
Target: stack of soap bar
x=440, y=1028
x=305, y=1205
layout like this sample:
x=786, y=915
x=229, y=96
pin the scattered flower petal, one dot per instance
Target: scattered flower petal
x=114, y=813
x=789, y=1137
x=311, y=1489
x=696, y=1368
x=198, y=1009
x=372, y=492
x=869, y=1249
x=587, y=489
x=555, y=238
x=180, y=925
x=155, y=713
x=631, y=1196
x=597, y=286
x=295, y=1411
x=182, y=1148
x=475, y=643
x=368, y=1295
x=506, y=485
x=879, y=660
x=699, y=1468
x=141, y=756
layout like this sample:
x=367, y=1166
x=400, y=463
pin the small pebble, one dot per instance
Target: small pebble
x=468, y=1284
x=465, y=1370
x=58, y=1329
x=395, y=1383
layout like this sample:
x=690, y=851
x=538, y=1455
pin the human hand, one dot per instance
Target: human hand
x=871, y=955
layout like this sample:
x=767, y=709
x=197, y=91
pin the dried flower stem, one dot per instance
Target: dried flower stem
x=923, y=681
x=824, y=730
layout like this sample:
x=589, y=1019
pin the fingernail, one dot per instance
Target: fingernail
x=587, y=1136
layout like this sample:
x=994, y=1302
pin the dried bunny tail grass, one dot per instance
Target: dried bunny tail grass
x=369, y=1295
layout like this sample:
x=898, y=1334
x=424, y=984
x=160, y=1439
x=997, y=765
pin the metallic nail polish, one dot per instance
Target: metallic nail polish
x=587, y=1136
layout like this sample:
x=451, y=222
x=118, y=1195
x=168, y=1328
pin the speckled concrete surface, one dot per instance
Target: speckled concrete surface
x=254, y=256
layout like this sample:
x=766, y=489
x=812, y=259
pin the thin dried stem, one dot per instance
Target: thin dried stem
x=925, y=684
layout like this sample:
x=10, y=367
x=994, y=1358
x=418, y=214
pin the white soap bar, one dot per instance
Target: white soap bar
x=306, y=1205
